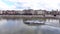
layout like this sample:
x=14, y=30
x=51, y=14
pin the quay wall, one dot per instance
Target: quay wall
x=30, y=16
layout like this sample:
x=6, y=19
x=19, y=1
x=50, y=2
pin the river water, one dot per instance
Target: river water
x=17, y=26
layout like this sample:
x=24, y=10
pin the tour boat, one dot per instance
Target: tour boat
x=34, y=22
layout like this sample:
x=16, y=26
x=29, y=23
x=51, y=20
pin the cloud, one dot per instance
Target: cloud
x=34, y=4
x=4, y=6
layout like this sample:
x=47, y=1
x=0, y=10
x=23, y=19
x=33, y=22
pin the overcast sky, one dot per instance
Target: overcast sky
x=30, y=4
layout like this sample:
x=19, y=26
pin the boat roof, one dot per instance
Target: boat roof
x=34, y=21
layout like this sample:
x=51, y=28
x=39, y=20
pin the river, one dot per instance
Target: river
x=17, y=26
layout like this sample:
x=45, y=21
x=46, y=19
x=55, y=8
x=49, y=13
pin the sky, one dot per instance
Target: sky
x=29, y=4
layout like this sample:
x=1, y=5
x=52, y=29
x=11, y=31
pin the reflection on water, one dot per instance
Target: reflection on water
x=16, y=26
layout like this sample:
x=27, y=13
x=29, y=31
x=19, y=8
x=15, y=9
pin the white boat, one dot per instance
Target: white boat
x=34, y=22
